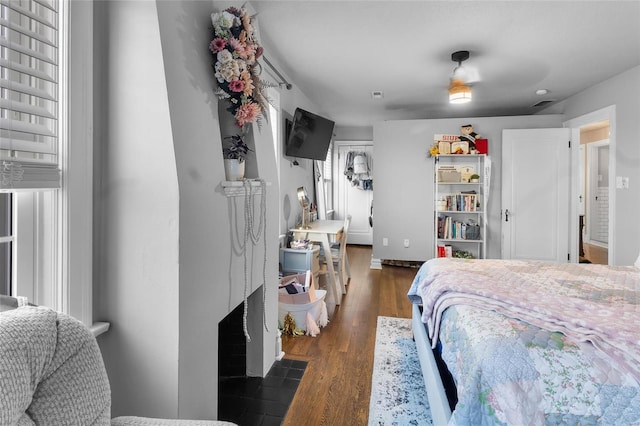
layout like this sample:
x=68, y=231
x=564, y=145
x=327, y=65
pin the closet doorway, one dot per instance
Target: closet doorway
x=353, y=190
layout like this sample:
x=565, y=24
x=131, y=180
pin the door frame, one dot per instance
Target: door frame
x=606, y=113
x=338, y=180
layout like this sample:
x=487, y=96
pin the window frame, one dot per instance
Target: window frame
x=53, y=229
x=6, y=240
x=75, y=255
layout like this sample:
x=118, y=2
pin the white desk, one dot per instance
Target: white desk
x=319, y=231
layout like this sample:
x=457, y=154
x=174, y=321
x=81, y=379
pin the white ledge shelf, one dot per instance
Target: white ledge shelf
x=97, y=328
x=236, y=188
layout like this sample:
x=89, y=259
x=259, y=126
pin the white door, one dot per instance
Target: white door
x=535, y=194
x=353, y=199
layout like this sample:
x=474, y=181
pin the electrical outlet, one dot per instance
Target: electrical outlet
x=406, y=243
x=385, y=241
x=622, y=182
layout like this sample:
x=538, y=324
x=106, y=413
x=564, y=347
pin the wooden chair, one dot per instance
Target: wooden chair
x=339, y=257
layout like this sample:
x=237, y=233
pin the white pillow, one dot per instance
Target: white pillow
x=637, y=262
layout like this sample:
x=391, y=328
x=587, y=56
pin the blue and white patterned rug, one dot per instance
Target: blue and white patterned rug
x=398, y=395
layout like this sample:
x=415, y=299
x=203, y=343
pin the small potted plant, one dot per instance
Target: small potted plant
x=234, y=153
x=474, y=178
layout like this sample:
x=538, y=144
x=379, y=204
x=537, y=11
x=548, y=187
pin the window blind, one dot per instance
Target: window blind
x=29, y=94
x=328, y=178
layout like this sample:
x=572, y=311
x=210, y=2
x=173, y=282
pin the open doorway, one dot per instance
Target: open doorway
x=597, y=128
x=594, y=196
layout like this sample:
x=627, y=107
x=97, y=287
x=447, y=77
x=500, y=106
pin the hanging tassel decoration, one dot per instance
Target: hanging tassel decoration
x=323, y=320
x=312, y=328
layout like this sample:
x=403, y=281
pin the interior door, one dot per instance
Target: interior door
x=352, y=199
x=535, y=194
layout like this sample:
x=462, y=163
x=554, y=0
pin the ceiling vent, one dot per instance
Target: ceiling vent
x=542, y=103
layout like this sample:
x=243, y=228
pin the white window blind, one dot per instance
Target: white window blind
x=328, y=178
x=29, y=95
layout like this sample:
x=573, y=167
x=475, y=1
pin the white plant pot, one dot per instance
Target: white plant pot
x=233, y=169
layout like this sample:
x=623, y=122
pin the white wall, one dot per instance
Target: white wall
x=621, y=91
x=349, y=133
x=291, y=176
x=403, y=176
x=136, y=244
x=169, y=261
x=403, y=180
x=211, y=225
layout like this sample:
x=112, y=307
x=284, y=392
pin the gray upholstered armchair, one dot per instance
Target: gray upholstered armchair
x=52, y=373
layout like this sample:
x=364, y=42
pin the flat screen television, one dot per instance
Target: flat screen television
x=309, y=137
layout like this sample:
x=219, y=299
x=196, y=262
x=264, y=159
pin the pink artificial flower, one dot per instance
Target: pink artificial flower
x=247, y=113
x=248, y=82
x=217, y=44
x=246, y=21
x=236, y=86
x=240, y=48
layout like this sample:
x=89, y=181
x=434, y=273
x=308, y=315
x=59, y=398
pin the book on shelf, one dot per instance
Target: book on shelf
x=443, y=137
x=463, y=170
x=445, y=250
x=450, y=229
x=459, y=202
x=444, y=142
x=444, y=147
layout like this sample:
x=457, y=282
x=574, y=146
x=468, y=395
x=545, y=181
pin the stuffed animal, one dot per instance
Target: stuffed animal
x=469, y=135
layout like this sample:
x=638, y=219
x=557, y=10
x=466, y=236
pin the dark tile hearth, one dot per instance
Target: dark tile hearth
x=256, y=401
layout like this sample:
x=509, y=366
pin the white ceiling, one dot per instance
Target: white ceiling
x=338, y=52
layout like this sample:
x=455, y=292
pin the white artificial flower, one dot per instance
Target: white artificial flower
x=227, y=19
x=227, y=71
x=224, y=56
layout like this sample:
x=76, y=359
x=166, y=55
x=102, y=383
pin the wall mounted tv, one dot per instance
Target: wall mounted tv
x=309, y=137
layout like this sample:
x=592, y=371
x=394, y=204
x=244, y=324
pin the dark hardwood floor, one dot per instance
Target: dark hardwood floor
x=336, y=385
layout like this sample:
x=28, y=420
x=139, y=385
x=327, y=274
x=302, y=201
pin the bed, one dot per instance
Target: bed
x=526, y=342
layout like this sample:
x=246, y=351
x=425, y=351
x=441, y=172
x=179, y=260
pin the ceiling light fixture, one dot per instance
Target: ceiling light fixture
x=459, y=91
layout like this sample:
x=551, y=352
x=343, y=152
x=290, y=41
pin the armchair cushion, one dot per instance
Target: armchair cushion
x=52, y=373
x=51, y=370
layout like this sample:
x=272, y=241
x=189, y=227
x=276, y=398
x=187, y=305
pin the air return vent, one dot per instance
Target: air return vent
x=542, y=103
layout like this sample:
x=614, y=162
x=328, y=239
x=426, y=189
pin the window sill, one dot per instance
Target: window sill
x=99, y=327
x=236, y=188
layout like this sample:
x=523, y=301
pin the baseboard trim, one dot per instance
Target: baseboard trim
x=375, y=263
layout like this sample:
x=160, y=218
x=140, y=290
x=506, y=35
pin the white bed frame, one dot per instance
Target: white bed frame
x=438, y=402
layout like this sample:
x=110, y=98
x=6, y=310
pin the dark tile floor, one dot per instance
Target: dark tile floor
x=257, y=401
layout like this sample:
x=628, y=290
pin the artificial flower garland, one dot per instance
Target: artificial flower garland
x=236, y=51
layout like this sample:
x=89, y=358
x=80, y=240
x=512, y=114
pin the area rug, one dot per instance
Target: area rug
x=398, y=395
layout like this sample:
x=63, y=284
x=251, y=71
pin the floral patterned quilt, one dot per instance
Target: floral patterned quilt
x=536, y=342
